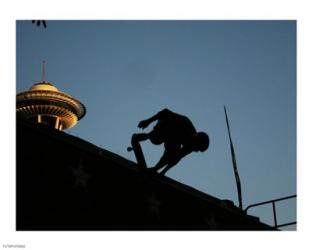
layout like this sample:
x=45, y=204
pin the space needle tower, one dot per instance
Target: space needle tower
x=44, y=103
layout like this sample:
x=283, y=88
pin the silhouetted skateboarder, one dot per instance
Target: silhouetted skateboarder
x=178, y=135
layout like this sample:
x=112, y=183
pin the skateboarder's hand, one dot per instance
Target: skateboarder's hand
x=143, y=124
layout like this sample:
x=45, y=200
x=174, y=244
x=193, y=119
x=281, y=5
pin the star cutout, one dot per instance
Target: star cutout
x=81, y=177
x=154, y=205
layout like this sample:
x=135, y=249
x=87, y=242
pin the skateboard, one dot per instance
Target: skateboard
x=136, y=147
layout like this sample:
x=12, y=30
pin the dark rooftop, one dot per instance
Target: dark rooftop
x=66, y=183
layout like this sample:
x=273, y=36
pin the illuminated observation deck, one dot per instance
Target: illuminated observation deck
x=45, y=104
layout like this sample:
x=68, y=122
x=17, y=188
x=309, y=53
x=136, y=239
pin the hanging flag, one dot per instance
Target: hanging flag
x=238, y=183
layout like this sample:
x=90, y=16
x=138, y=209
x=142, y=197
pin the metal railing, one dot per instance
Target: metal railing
x=274, y=209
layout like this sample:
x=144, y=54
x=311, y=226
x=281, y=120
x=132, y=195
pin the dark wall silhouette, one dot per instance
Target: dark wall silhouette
x=65, y=183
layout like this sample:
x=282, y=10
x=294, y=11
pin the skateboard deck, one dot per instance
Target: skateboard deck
x=136, y=147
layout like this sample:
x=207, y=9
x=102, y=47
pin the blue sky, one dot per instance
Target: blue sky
x=126, y=71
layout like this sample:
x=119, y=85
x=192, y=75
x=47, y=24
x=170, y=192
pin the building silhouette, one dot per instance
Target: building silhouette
x=66, y=183
x=44, y=103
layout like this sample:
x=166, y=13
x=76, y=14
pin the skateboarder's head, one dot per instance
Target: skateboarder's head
x=201, y=142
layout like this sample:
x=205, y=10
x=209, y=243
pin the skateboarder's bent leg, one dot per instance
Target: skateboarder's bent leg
x=162, y=162
x=171, y=150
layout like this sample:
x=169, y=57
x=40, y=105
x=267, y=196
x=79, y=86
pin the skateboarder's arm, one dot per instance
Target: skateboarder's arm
x=160, y=115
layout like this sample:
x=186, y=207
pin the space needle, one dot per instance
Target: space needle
x=44, y=103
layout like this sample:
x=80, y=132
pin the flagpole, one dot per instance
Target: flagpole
x=238, y=183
